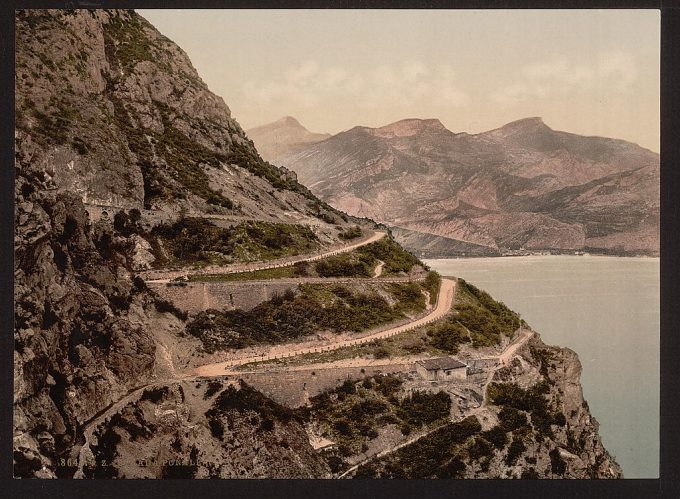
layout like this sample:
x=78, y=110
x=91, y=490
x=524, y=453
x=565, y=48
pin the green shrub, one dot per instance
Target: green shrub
x=485, y=318
x=497, y=436
x=511, y=419
x=164, y=306
x=343, y=427
x=409, y=295
x=557, y=464
x=301, y=269
x=421, y=408
x=515, y=450
x=531, y=400
x=432, y=284
x=248, y=399
x=544, y=356
x=448, y=336
x=126, y=42
x=213, y=388
x=396, y=258
x=381, y=353
x=344, y=265
x=351, y=233
x=192, y=240
x=479, y=448
x=387, y=385
x=127, y=224
x=436, y=455
x=291, y=316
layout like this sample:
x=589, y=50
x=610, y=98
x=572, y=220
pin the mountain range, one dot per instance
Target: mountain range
x=523, y=187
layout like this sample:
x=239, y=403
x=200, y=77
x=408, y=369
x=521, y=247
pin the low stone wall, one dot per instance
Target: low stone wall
x=198, y=296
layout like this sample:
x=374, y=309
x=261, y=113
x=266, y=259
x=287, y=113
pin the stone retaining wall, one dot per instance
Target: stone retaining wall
x=198, y=296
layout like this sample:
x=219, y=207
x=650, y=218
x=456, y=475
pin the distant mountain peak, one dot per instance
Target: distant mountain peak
x=520, y=185
x=289, y=121
x=282, y=136
x=532, y=123
x=409, y=127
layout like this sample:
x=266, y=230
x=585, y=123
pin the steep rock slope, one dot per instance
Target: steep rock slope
x=80, y=335
x=282, y=137
x=109, y=111
x=203, y=429
x=522, y=186
x=535, y=425
x=112, y=111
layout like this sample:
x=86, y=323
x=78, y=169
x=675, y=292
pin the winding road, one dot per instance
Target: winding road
x=305, y=280
x=444, y=302
x=166, y=275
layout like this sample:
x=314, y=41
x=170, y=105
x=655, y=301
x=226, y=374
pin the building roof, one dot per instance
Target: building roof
x=441, y=363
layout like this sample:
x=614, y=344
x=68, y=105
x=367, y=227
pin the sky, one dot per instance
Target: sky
x=591, y=72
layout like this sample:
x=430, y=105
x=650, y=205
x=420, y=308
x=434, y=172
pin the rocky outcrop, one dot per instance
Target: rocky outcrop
x=282, y=137
x=79, y=338
x=523, y=186
x=110, y=110
x=574, y=449
x=203, y=429
x=533, y=424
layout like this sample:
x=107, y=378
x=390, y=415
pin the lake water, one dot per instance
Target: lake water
x=607, y=310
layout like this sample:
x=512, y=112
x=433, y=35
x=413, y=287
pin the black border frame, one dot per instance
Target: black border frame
x=666, y=486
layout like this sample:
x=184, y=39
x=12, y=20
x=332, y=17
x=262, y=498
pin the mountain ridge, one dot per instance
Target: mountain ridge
x=582, y=193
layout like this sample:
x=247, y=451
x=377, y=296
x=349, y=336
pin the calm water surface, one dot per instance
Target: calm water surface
x=607, y=310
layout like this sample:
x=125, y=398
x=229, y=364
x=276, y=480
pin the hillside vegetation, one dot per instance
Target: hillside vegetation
x=362, y=261
x=486, y=319
x=353, y=413
x=441, y=454
x=316, y=307
x=194, y=240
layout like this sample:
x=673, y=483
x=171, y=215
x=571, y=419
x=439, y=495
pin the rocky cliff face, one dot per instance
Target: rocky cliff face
x=522, y=186
x=203, y=429
x=80, y=335
x=283, y=137
x=533, y=425
x=571, y=450
x=111, y=112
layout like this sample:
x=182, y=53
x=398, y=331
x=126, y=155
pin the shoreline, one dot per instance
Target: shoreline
x=544, y=256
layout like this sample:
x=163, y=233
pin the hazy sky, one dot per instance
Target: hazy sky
x=592, y=72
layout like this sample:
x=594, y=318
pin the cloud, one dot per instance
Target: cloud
x=414, y=84
x=409, y=84
x=612, y=71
